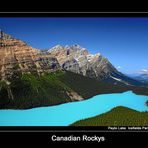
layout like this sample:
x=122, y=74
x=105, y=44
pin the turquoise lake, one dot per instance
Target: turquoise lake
x=65, y=114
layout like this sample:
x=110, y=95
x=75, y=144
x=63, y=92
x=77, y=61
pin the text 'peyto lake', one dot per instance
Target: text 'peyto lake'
x=65, y=114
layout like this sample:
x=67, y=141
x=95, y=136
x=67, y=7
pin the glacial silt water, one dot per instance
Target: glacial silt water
x=65, y=114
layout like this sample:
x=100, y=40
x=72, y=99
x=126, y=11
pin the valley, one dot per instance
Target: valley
x=68, y=81
x=35, y=78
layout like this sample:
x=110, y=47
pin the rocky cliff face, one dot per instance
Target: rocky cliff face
x=16, y=58
x=29, y=77
x=79, y=60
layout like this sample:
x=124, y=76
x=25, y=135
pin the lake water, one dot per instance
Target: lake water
x=65, y=114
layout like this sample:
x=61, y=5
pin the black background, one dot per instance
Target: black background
x=44, y=138
x=26, y=136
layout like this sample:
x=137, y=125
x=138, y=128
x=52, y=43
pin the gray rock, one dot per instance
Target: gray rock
x=77, y=59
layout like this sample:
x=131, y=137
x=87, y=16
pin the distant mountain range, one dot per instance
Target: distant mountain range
x=140, y=77
x=30, y=77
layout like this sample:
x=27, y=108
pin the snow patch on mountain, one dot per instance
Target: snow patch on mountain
x=117, y=79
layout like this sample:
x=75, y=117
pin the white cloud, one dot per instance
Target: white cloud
x=119, y=67
x=144, y=71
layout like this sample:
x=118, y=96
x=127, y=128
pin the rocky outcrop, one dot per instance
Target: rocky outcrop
x=4, y=36
x=16, y=58
x=74, y=96
x=78, y=59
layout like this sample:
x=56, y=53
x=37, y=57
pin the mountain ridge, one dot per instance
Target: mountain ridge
x=77, y=59
x=30, y=77
x=19, y=57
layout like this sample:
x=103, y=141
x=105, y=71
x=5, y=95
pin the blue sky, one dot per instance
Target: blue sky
x=124, y=41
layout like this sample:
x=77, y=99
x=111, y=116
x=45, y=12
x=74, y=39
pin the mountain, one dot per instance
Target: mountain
x=16, y=58
x=79, y=60
x=30, y=77
x=141, y=77
x=144, y=78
